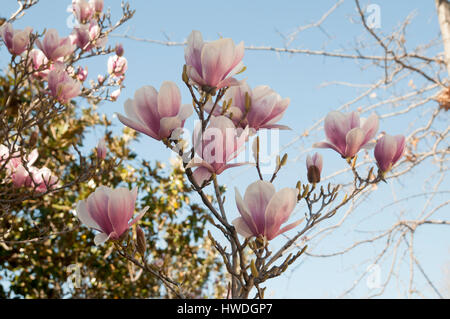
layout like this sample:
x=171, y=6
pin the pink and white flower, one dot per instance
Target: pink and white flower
x=87, y=37
x=109, y=211
x=265, y=110
x=38, y=63
x=388, y=151
x=213, y=64
x=55, y=47
x=16, y=41
x=117, y=65
x=83, y=10
x=220, y=143
x=62, y=87
x=156, y=114
x=263, y=210
x=346, y=135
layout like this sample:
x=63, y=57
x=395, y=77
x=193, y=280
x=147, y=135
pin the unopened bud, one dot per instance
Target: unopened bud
x=141, y=244
x=313, y=174
x=184, y=76
x=119, y=49
x=101, y=149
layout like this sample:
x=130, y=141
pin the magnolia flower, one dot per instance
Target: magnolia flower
x=82, y=10
x=109, y=211
x=263, y=210
x=265, y=108
x=388, y=151
x=213, y=64
x=18, y=170
x=156, y=114
x=55, y=47
x=117, y=65
x=101, y=149
x=87, y=36
x=15, y=160
x=62, y=87
x=346, y=135
x=97, y=5
x=314, y=167
x=43, y=179
x=219, y=144
x=115, y=94
x=81, y=74
x=15, y=40
x=38, y=62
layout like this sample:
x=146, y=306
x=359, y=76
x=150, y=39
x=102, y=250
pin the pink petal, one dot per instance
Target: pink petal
x=201, y=174
x=84, y=216
x=354, y=141
x=327, y=145
x=257, y=196
x=242, y=227
x=370, y=127
x=400, y=148
x=137, y=126
x=385, y=151
x=279, y=209
x=145, y=107
x=193, y=51
x=167, y=125
x=336, y=128
x=245, y=212
x=169, y=99
x=120, y=207
x=217, y=58
x=289, y=227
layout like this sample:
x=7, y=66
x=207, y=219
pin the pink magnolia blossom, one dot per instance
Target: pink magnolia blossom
x=23, y=173
x=220, y=143
x=97, y=5
x=43, y=179
x=109, y=211
x=62, y=87
x=16, y=41
x=346, y=135
x=83, y=10
x=19, y=170
x=156, y=114
x=266, y=107
x=115, y=94
x=213, y=64
x=388, y=150
x=263, y=210
x=100, y=79
x=117, y=65
x=81, y=74
x=87, y=37
x=13, y=160
x=314, y=167
x=55, y=47
x=101, y=149
x=38, y=62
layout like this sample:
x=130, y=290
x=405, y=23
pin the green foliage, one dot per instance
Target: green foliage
x=40, y=236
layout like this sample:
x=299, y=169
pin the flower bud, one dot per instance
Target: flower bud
x=101, y=149
x=119, y=49
x=314, y=167
x=141, y=244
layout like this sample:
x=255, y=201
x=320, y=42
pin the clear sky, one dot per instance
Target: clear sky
x=298, y=77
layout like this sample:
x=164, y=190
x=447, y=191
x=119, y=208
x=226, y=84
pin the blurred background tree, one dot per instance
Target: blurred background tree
x=43, y=245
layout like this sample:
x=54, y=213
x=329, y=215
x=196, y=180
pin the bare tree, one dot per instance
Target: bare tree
x=412, y=82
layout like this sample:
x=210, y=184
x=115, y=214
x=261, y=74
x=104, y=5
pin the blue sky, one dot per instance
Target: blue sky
x=298, y=77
